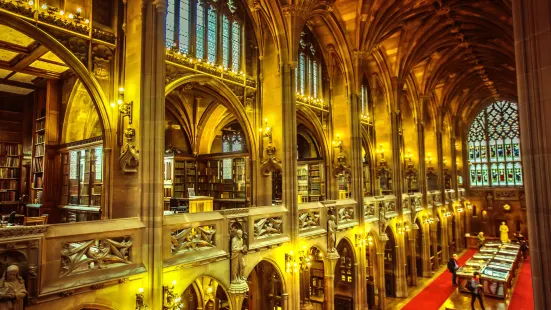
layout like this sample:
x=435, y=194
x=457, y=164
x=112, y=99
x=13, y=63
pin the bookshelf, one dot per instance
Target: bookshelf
x=179, y=175
x=39, y=150
x=311, y=183
x=317, y=279
x=10, y=172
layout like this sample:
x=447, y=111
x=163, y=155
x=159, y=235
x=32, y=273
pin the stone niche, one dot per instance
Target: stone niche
x=21, y=246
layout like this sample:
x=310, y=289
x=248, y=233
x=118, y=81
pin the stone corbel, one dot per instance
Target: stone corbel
x=270, y=163
x=130, y=156
x=340, y=166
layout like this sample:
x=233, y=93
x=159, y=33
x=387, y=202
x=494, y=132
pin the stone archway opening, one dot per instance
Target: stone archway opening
x=265, y=288
x=390, y=264
x=205, y=293
x=345, y=276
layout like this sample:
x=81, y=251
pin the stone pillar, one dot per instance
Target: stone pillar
x=532, y=25
x=284, y=301
x=434, y=242
x=329, y=279
x=442, y=188
x=381, y=275
x=422, y=163
x=151, y=138
x=400, y=268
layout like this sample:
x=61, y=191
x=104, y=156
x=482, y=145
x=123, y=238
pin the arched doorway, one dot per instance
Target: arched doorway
x=205, y=293
x=345, y=275
x=310, y=165
x=265, y=288
x=390, y=263
x=207, y=150
x=312, y=288
x=371, y=262
x=419, y=248
x=42, y=82
x=408, y=233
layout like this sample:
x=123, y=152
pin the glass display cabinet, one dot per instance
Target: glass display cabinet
x=464, y=274
x=496, y=281
x=476, y=262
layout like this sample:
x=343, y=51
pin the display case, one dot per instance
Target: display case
x=473, y=262
x=487, y=250
x=464, y=274
x=495, y=281
x=481, y=256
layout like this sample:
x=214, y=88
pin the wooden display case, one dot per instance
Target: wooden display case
x=495, y=281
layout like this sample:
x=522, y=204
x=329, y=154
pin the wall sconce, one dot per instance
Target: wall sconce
x=303, y=263
x=428, y=159
x=429, y=220
x=266, y=131
x=365, y=119
x=448, y=214
x=460, y=210
x=363, y=240
x=140, y=305
x=130, y=156
x=408, y=157
x=171, y=300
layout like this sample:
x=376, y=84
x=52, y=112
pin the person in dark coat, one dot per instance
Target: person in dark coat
x=453, y=265
x=476, y=290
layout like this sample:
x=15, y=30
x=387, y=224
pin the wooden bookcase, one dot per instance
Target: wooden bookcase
x=10, y=173
x=311, y=181
x=179, y=175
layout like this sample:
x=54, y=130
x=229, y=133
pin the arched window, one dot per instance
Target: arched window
x=192, y=27
x=494, y=141
x=308, y=75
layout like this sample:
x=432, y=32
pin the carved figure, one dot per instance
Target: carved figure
x=504, y=232
x=331, y=234
x=345, y=214
x=480, y=239
x=238, y=250
x=306, y=220
x=12, y=289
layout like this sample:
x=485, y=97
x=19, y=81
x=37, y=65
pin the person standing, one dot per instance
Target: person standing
x=480, y=240
x=453, y=266
x=476, y=290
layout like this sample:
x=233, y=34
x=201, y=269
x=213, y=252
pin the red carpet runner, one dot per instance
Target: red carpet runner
x=522, y=298
x=436, y=293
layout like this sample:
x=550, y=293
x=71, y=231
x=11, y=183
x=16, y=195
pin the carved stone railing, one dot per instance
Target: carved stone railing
x=435, y=198
x=406, y=204
x=193, y=237
x=312, y=219
x=87, y=255
x=344, y=212
x=266, y=227
x=450, y=196
x=371, y=209
x=461, y=193
x=387, y=206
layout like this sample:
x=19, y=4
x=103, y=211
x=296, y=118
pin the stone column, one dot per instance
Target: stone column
x=400, y=268
x=284, y=301
x=442, y=188
x=532, y=25
x=151, y=138
x=329, y=279
x=434, y=243
x=422, y=163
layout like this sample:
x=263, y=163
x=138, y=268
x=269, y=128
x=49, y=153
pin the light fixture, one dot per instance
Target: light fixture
x=363, y=240
x=171, y=300
x=294, y=264
x=70, y=16
x=337, y=143
x=460, y=210
x=399, y=228
x=381, y=151
x=44, y=6
x=140, y=305
x=428, y=159
x=31, y=3
x=61, y=12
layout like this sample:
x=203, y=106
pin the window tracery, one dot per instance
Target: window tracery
x=308, y=75
x=192, y=27
x=494, y=147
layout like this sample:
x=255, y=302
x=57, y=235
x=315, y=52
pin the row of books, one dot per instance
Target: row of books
x=10, y=149
x=37, y=182
x=39, y=139
x=8, y=184
x=8, y=173
x=38, y=164
x=8, y=196
x=39, y=150
x=12, y=162
x=40, y=124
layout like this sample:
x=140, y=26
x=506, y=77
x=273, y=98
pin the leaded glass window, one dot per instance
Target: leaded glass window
x=309, y=68
x=183, y=25
x=170, y=28
x=494, y=138
x=212, y=34
x=236, y=46
x=82, y=176
x=225, y=41
x=200, y=25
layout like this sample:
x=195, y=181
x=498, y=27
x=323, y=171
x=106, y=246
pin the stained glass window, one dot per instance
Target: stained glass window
x=170, y=29
x=309, y=68
x=302, y=69
x=183, y=26
x=494, y=138
x=236, y=46
x=212, y=34
x=200, y=26
x=225, y=42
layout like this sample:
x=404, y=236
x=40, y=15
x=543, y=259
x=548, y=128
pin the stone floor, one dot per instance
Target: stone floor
x=455, y=301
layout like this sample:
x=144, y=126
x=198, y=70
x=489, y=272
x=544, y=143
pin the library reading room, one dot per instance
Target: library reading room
x=275, y=154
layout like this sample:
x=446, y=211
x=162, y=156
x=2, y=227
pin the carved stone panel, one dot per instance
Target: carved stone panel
x=192, y=239
x=268, y=227
x=85, y=256
x=308, y=220
x=369, y=210
x=346, y=214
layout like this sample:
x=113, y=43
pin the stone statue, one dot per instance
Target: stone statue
x=504, y=232
x=480, y=239
x=238, y=250
x=12, y=289
x=331, y=234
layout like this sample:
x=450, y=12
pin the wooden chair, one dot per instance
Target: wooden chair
x=35, y=220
